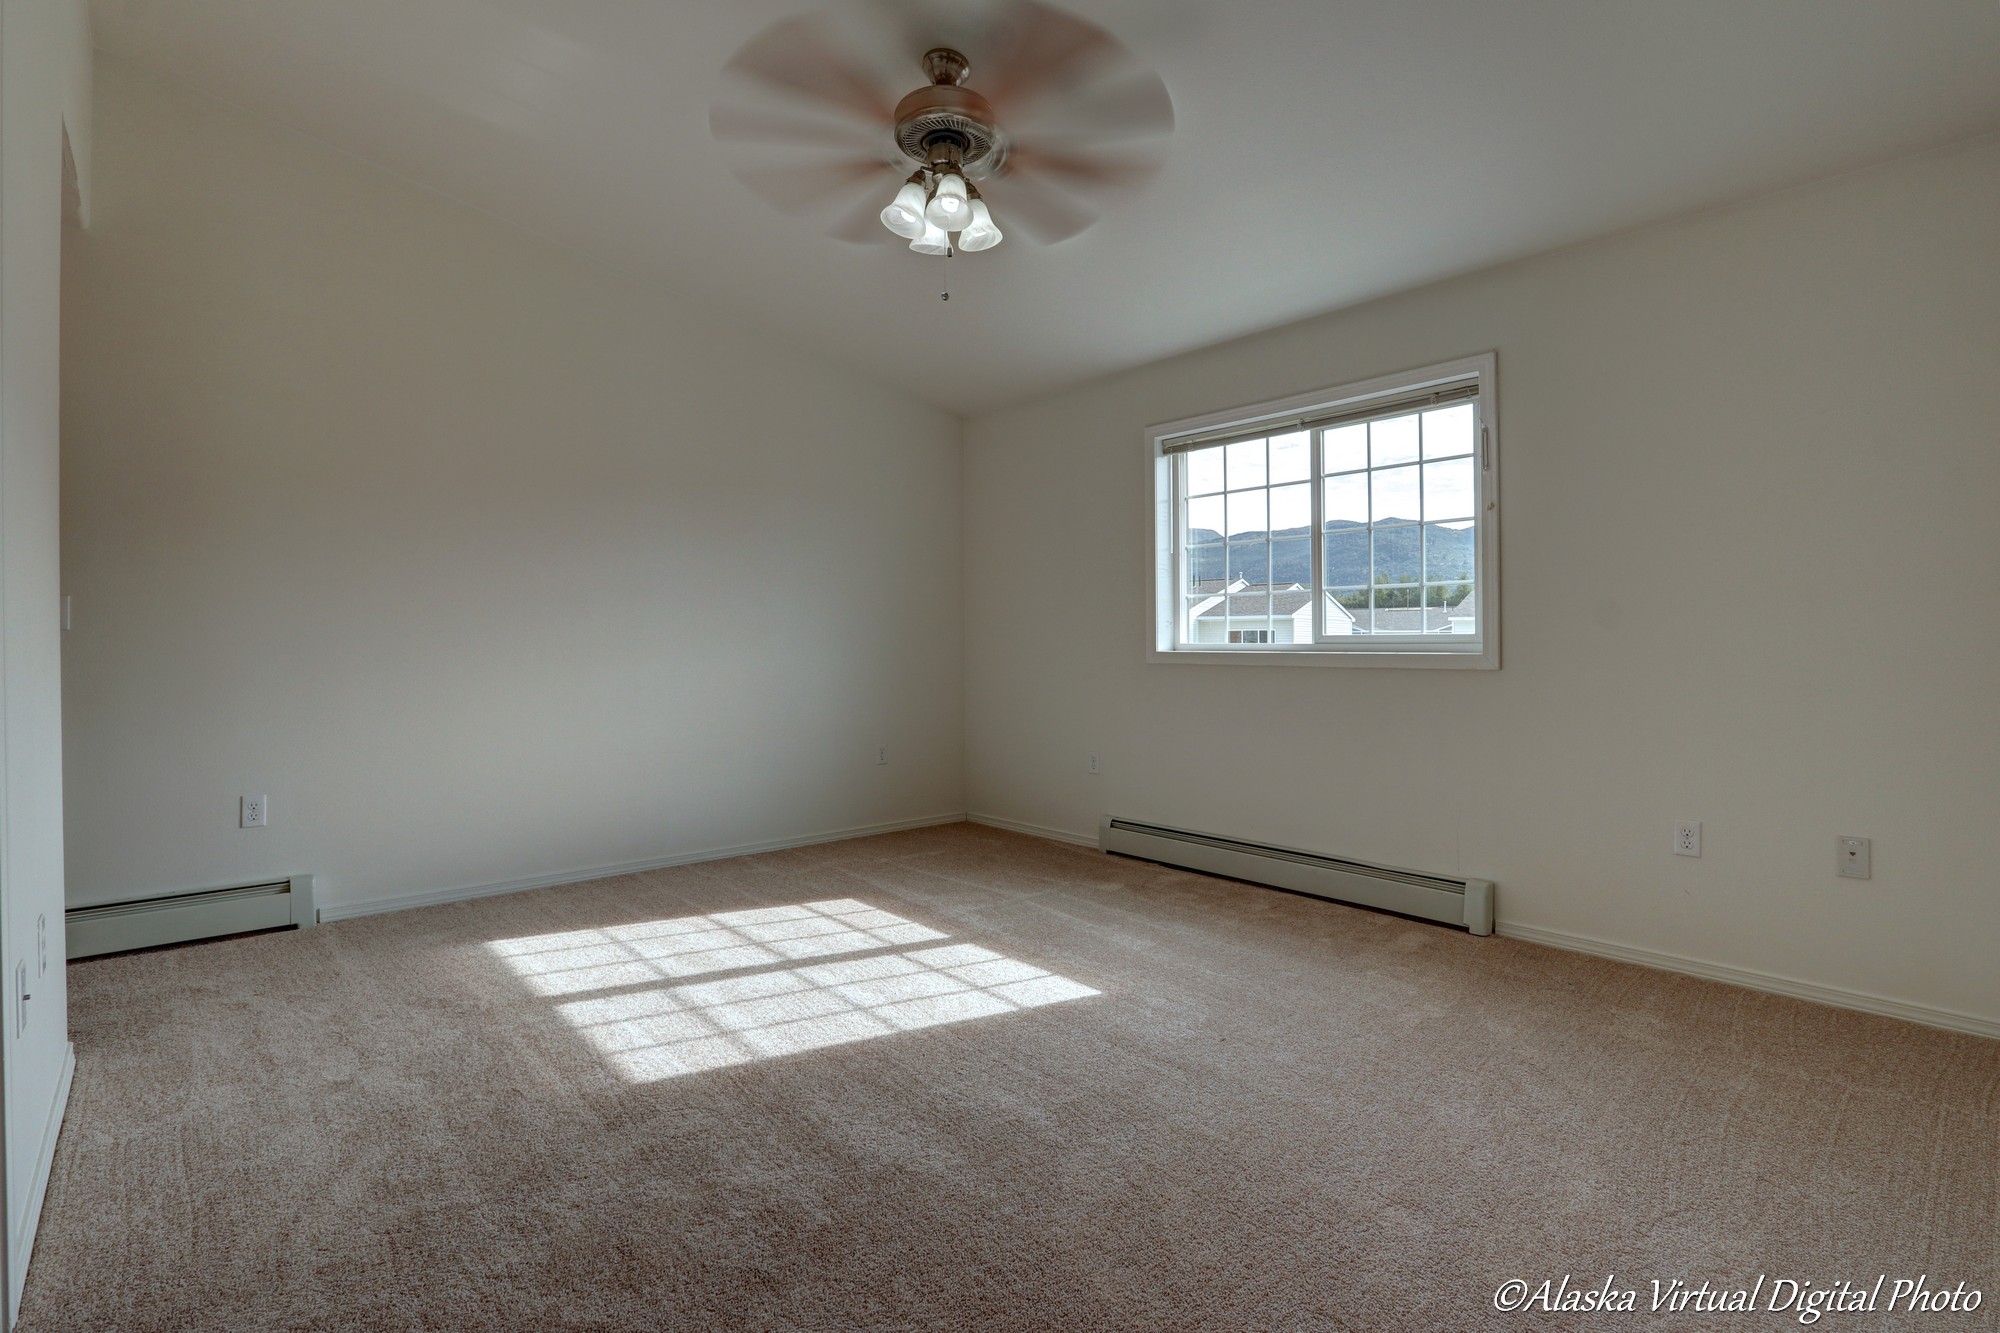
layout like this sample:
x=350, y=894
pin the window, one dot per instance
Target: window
x=1355, y=525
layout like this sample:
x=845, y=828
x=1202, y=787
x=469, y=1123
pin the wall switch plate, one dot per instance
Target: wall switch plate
x=1856, y=856
x=1687, y=838
x=1093, y=764
x=881, y=754
x=21, y=998
x=256, y=811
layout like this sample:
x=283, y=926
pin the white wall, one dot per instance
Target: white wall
x=1752, y=576
x=44, y=82
x=481, y=562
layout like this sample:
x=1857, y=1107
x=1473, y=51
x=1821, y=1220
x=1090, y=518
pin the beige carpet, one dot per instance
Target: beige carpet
x=960, y=1079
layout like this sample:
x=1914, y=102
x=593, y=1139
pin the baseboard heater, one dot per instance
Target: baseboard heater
x=176, y=918
x=1456, y=902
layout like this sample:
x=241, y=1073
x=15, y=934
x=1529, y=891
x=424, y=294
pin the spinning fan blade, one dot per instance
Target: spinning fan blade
x=1132, y=108
x=862, y=224
x=912, y=27
x=1038, y=50
x=1038, y=208
x=736, y=124
x=1126, y=171
x=797, y=189
x=798, y=55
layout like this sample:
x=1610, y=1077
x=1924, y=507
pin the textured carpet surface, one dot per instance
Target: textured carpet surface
x=962, y=1079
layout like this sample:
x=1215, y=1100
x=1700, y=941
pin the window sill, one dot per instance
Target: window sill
x=1487, y=659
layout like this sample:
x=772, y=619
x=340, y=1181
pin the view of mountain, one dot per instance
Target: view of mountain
x=1397, y=554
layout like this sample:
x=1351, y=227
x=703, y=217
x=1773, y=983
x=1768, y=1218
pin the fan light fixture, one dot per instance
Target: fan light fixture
x=979, y=232
x=932, y=241
x=953, y=207
x=905, y=213
x=949, y=130
x=949, y=208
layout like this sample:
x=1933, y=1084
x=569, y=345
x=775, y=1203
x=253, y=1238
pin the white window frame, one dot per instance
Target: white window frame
x=1479, y=650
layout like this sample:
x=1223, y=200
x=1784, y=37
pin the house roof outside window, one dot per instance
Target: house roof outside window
x=1248, y=600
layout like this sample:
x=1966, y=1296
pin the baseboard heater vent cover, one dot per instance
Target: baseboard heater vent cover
x=1456, y=902
x=143, y=923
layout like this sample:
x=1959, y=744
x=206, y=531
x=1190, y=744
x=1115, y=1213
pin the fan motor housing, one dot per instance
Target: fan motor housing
x=944, y=110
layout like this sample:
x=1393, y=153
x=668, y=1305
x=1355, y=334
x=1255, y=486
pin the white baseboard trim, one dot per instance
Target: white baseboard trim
x=1034, y=830
x=38, y=1188
x=1839, y=998
x=436, y=897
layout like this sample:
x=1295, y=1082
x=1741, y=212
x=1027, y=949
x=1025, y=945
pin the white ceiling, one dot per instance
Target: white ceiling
x=1327, y=151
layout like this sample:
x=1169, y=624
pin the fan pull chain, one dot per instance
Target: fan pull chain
x=945, y=295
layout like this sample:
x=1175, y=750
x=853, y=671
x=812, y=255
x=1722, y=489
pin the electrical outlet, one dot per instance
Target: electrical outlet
x=256, y=811
x=1687, y=838
x=1093, y=764
x=881, y=754
x=41, y=945
x=1856, y=855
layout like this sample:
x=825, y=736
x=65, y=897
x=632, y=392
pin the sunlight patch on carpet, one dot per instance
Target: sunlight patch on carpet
x=777, y=1005
x=575, y=961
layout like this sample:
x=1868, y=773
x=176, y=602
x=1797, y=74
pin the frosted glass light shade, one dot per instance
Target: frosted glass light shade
x=905, y=213
x=949, y=207
x=932, y=242
x=979, y=233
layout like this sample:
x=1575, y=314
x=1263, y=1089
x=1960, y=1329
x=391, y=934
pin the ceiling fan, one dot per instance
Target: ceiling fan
x=1060, y=117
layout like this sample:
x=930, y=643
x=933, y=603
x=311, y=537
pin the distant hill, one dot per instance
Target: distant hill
x=1397, y=554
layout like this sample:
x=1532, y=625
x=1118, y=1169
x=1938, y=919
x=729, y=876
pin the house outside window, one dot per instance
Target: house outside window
x=1357, y=525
